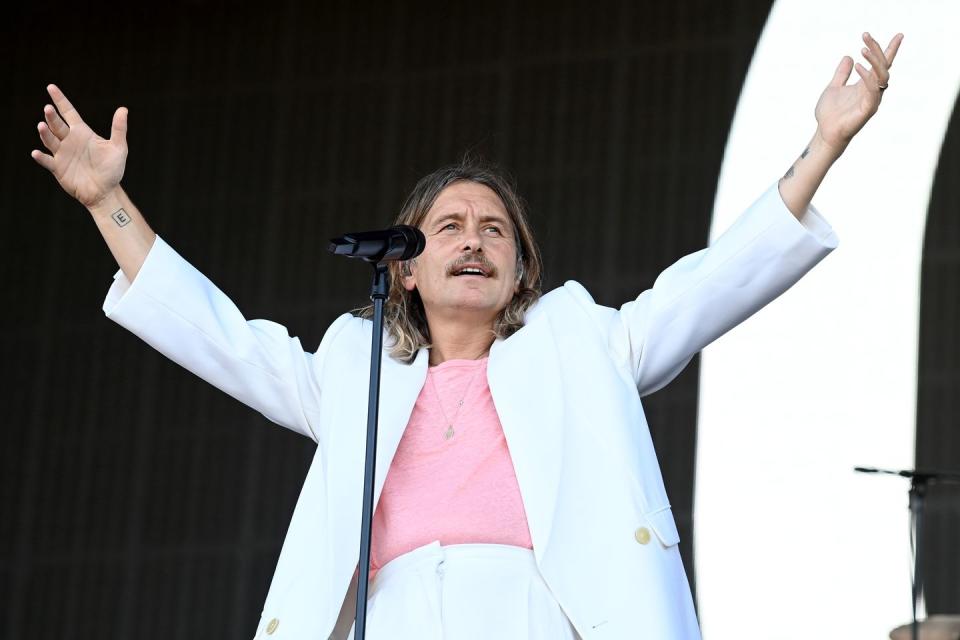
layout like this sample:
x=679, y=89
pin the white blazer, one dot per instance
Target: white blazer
x=567, y=388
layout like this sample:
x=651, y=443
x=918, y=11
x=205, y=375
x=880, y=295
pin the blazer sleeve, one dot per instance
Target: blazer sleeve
x=705, y=294
x=175, y=309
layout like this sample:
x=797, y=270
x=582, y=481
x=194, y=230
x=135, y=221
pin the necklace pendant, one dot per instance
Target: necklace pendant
x=449, y=433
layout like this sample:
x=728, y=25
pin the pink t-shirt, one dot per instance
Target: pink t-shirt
x=455, y=489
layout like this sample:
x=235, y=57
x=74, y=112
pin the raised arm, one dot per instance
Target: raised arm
x=90, y=168
x=841, y=112
x=707, y=293
x=162, y=299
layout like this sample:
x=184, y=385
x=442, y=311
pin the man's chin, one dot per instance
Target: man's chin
x=468, y=305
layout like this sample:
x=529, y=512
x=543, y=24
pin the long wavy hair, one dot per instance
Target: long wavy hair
x=404, y=316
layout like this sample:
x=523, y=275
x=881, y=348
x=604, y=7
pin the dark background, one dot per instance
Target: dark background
x=140, y=502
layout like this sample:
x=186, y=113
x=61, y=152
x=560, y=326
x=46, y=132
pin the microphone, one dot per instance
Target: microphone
x=401, y=242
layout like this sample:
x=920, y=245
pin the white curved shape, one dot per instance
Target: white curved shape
x=790, y=542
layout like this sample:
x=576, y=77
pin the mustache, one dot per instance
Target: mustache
x=473, y=258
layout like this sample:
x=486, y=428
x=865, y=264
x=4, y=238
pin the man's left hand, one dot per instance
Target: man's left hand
x=843, y=109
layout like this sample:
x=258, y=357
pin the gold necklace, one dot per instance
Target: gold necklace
x=450, y=432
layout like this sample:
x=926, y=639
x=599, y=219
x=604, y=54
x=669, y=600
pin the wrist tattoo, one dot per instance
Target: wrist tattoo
x=789, y=173
x=120, y=217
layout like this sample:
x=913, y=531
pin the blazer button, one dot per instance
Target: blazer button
x=272, y=626
x=642, y=535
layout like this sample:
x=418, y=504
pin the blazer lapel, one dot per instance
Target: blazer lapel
x=400, y=385
x=524, y=377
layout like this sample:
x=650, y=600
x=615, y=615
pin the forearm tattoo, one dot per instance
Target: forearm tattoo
x=120, y=217
x=789, y=173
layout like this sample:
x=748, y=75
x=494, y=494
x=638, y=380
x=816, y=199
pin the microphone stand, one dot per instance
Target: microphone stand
x=919, y=481
x=379, y=290
x=377, y=248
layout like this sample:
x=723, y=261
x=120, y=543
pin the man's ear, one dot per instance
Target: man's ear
x=407, y=279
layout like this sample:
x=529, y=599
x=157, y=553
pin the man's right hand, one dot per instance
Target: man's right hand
x=88, y=167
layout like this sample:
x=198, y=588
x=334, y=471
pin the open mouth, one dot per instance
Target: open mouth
x=470, y=270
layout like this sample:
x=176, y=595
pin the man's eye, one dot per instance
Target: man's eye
x=450, y=225
x=495, y=229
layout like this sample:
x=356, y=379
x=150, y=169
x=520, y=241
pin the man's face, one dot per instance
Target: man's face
x=469, y=263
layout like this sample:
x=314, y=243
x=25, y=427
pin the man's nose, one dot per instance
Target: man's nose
x=472, y=238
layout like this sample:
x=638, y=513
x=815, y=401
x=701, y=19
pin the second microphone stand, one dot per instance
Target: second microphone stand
x=919, y=481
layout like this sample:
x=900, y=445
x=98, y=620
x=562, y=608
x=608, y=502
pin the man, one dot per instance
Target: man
x=564, y=533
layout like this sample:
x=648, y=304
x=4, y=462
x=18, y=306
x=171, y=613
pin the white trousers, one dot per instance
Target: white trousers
x=464, y=592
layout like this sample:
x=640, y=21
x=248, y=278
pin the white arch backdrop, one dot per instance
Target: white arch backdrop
x=790, y=542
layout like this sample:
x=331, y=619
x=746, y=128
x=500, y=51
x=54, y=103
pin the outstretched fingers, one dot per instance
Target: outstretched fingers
x=66, y=109
x=870, y=80
x=118, y=129
x=875, y=56
x=55, y=122
x=44, y=160
x=892, y=49
x=842, y=73
x=50, y=141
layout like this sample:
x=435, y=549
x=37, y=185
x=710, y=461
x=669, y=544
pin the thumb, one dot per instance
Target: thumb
x=118, y=130
x=842, y=73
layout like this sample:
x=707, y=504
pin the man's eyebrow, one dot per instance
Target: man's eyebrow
x=447, y=216
x=494, y=218
x=459, y=215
